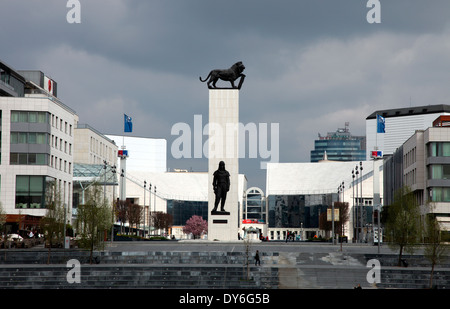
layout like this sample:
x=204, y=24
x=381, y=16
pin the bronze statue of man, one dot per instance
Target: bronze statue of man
x=221, y=185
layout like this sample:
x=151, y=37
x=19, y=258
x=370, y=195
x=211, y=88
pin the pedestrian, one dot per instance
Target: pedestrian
x=257, y=261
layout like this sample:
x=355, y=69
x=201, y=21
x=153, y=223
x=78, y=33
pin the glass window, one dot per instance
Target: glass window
x=13, y=158
x=445, y=149
x=14, y=116
x=30, y=191
x=22, y=184
x=31, y=138
x=446, y=171
x=439, y=149
x=22, y=138
x=440, y=194
x=14, y=137
x=23, y=116
x=40, y=158
x=41, y=117
x=36, y=183
x=23, y=160
x=32, y=117
x=41, y=138
x=32, y=158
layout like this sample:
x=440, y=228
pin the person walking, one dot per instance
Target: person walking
x=257, y=261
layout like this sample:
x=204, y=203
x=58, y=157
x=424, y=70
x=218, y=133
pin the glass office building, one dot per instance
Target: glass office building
x=339, y=146
x=182, y=211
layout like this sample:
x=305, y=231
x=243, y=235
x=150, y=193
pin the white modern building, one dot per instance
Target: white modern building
x=298, y=193
x=92, y=147
x=95, y=159
x=423, y=164
x=37, y=140
x=400, y=124
x=144, y=154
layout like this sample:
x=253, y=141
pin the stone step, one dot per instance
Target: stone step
x=137, y=277
x=413, y=278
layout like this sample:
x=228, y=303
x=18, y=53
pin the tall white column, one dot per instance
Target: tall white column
x=223, y=146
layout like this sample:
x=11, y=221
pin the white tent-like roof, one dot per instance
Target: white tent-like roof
x=311, y=178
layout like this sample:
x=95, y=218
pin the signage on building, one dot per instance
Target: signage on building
x=49, y=85
x=376, y=154
x=336, y=214
x=122, y=153
x=249, y=221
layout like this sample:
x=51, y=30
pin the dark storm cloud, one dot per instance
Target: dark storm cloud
x=311, y=65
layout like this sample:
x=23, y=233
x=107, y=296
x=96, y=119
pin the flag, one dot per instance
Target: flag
x=128, y=125
x=380, y=124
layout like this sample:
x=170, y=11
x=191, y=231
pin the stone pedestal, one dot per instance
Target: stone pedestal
x=223, y=146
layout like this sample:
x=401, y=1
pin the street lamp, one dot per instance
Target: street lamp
x=355, y=215
x=149, y=207
x=143, y=229
x=104, y=181
x=113, y=170
x=362, y=202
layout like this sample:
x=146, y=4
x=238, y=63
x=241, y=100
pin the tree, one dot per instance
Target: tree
x=435, y=249
x=161, y=220
x=403, y=227
x=52, y=224
x=196, y=225
x=134, y=215
x=94, y=218
x=3, y=226
x=121, y=212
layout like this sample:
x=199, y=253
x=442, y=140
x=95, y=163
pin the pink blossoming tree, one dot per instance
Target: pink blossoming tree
x=196, y=225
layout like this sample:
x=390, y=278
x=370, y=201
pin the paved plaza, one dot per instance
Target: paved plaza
x=240, y=246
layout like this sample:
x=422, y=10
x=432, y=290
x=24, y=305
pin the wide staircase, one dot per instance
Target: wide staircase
x=175, y=270
x=22, y=268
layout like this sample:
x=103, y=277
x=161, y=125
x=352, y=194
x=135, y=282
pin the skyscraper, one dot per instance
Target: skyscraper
x=339, y=146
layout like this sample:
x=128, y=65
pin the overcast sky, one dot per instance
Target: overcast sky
x=311, y=66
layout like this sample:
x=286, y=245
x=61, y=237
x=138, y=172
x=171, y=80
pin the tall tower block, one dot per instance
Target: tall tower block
x=223, y=146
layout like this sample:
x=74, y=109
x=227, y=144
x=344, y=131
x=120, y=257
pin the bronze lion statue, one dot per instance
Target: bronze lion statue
x=229, y=75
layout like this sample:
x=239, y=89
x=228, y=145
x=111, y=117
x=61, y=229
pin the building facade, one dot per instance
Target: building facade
x=299, y=193
x=400, y=124
x=339, y=146
x=37, y=138
x=423, y=164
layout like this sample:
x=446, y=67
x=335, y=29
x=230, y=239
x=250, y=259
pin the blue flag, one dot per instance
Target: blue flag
x=380, y=124
x=128, y=125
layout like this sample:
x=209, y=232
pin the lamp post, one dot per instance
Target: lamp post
x=113, y=170
x=149, y=207
x=353, y=199
x=143, y=229
x=357, y=206
x=342, y=207
x=104, y=181
x=362, y=202
x=154, y=204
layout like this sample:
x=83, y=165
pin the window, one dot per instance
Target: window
x=439, y=171
x=439, y=149
x=30, y=191
x=440, y=194
x=29, y=116
x=28, y=158
x=28, y=138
